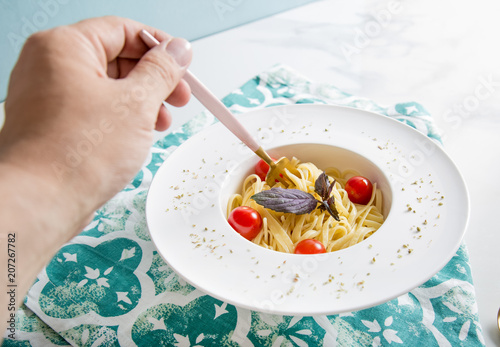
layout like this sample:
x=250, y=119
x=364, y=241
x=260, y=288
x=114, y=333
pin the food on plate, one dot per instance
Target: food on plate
x=246, y=221
x=309, y=246
x=320, y=211
x=359, y=189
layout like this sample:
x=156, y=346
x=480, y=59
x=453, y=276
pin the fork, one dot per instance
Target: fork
x=277, y=169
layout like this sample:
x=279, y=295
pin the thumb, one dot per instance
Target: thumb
x=159, y=70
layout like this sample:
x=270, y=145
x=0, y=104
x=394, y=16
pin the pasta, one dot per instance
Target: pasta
x=282, y=231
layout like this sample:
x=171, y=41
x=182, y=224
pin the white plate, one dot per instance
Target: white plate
x=186, y=212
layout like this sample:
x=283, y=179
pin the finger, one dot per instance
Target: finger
x=113, y=69
x=164, y=119
x=111, y=37
x=161, y=68
x=180, y=95
x=120, y=67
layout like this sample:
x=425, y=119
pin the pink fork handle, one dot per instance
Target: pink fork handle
x=219, y=110
x=210, y=101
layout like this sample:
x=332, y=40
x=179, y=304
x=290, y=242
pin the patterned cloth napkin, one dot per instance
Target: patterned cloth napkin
x=110, y=287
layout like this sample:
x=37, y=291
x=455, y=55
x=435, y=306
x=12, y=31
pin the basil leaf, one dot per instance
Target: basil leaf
x=330, y=189
x=299, y=202
x=331, y=208
x=322, y=185
x=286, y=200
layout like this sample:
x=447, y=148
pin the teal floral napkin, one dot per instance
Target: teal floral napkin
x=110, y=287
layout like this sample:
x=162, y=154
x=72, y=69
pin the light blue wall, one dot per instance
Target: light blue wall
x=191, y=19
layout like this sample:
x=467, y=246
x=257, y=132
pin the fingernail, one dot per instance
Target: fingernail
x=180, y=50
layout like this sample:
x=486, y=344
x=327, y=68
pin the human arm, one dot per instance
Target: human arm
x=82, y=104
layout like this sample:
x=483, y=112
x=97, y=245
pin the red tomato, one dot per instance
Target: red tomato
x=309, y=246
x=359, y=189
x=246, y=221
x=262, y=168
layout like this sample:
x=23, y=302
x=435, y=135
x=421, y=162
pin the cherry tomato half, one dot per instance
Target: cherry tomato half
x=309, y=246
x=262, y=168
x=359, y=189
x=246, y=221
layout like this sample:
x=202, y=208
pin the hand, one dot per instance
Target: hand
x=83, y=101
x=82, y=104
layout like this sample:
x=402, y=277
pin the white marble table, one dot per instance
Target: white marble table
x=443, y=55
